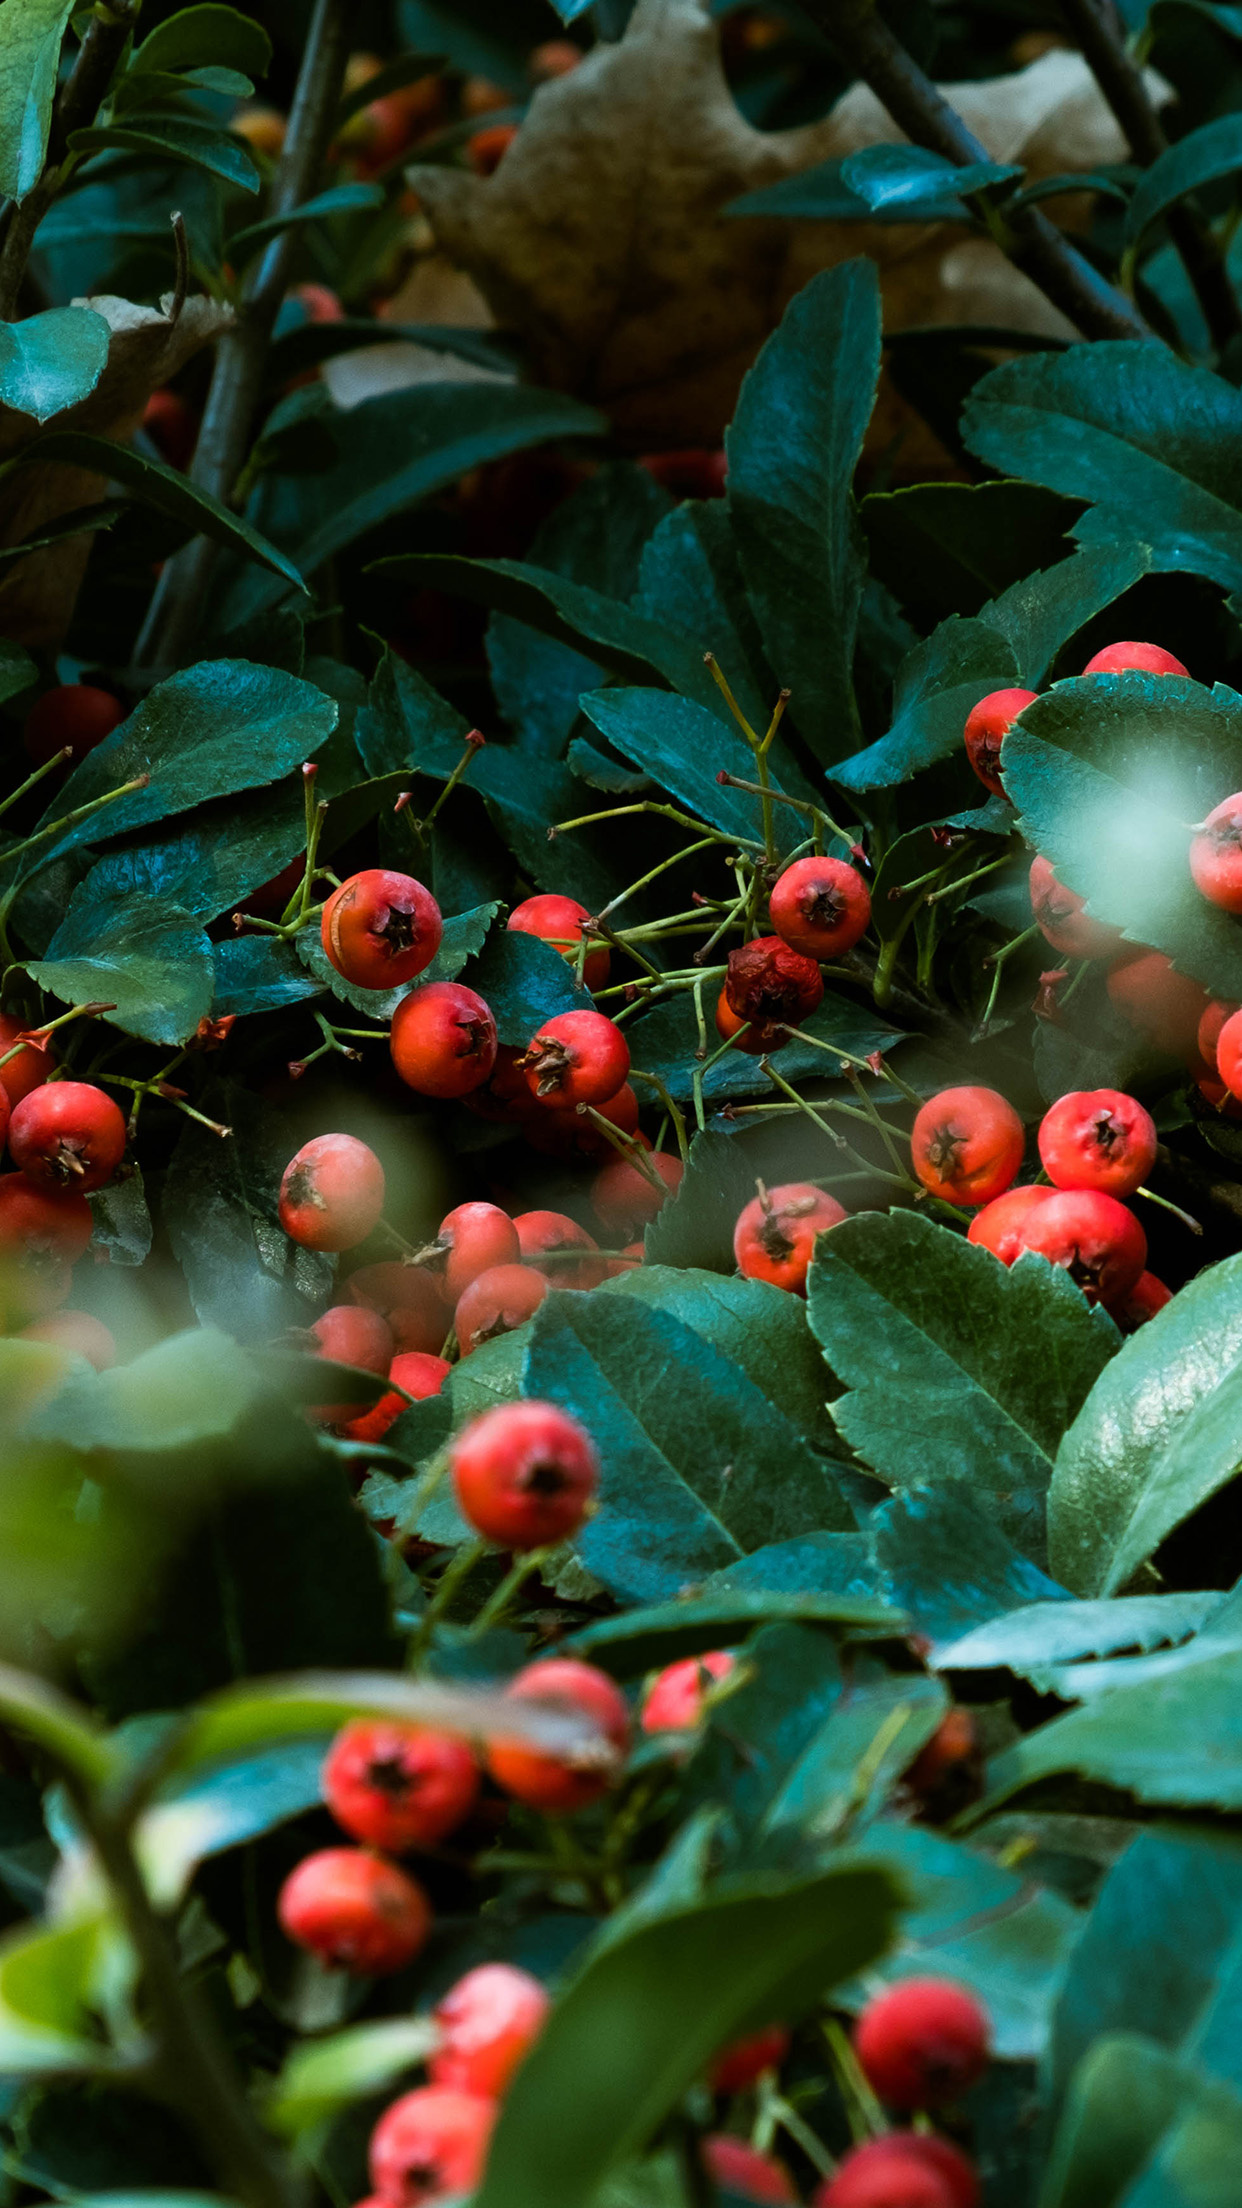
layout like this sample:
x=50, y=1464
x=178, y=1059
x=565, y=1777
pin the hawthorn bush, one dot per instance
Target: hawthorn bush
x=621, y=1057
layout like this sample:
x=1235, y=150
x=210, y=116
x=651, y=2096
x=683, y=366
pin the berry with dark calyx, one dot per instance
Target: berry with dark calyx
x=443, y=1039
x=902, y=2169
x=471, y=1239
x=674, y=1700
x=415, y=1374
x=563, y=1131
x=625, y=1200
x=548, y=1782
x=524, y=1475
x=562, y=922
x=79, y=1332
x=1162, y=1004
x=772, y=986
x=431, y=2145
x=577, y=1058
x=499, y=1300
x=1097, y=1138
x=407, y=1296
x=30, y=1064
x=1216, y=856
x=1093, y=1238
x=549, y=1236
x=354, y=1912
x=987, y=725
x=998, y=1227
x=966, y=1145
x=1148, y=659
x=332, y=1193
x=75, y=718
x=922, y=2042
x=381, y=929
x=397, y=1786
x=774, y=1239
x=745, y=2060
x=43, y=1223
x=820, y=907
x=67, y=1134
x=1063, y=920
x=488, y=2021
x=739, y=2168
x=349, y=1334
x=1208, y=1033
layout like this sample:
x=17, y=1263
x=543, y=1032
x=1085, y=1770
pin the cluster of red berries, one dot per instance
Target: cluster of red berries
x=1096, y=1147
x=820, y=907
x=989, y=722
x=66, y=1139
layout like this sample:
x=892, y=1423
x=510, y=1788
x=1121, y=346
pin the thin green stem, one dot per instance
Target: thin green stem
x=451, y=1578
x=515, y=1578
x=675, y=1113
x=71, y=820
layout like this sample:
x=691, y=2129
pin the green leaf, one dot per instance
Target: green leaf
x=464, y=934
x=945, y=548
x=177, y=137
x=945, y=1562
x=959, y=1368
x=220, y=1204
x=1036, y=1640
x=1157, y=1435
x=81, y=521
x=1039, y=614
x=322, y=2078
x=883, y=183
x=70, y=1733
x=695, y=1227
x=342, y=199
x=1201, y=157
x=1133, y=760
x=33, y=30
x=937, y=684
x=793, y=447
x=144, y=957
x=1150, y=440
x=122, y=1220
x=685, y=748
x=691, y=575
x=207, y=33
x=191, y=1387
x=647, y=2012
x=17, y=670
x=699, y=1466
x=49, y=1987
x=666, y=1041
x=525, y=982
x=645, y=1640
x=1125, y=2094
x=257, y=973
x=50, y=361
x=759, y=1328
x=168, y=491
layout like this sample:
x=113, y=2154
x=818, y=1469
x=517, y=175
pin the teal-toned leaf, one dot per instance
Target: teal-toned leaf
x=525, y=981
x=958, y=1368
x=761, y=1329
x=191, y=1387
x=1124, y=2097
x=948, y=1565
x=1036, y=1640
x=1038, y=615
x=17, y=670
x=945, y=548
x=220, y=1204
x=464, y=933
x=175, y=137
x=1156, y=1436
x=937, y=684
x=342, y=199
x=793, y=447
x=123, y=1220
x=645, y=1640
x=33, y=31
x=207, y=33
x=50, y=361
x=696, y=1226
x=884, y=183
x=143, y=956
x=1201, y=157
x=685, y=748
x=666, y=1041
x=691, y=575
x=823, y=1563
x=258, y=973
x=646, y=2013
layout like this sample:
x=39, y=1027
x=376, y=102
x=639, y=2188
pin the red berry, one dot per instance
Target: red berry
x=1216, y=856
x=966, y=1145
x=740, y=2064
x=562, y=1131
x=674, y=1702
x=1161, y=1003
x=624, y=1199
x=1098, y=1138
x=545, y=1781
x=555, y=58
x=697, y=472
x=998, y=1227
x=431, y=2145
x=380, y=929
x=758, y=1042
x=1208, y=1032
x=772, y=986
x=487, y=149
x=397, y=1786
x=904, y=2169
x=68, y=1134
x=1063, y=920
x=774, y=1238
x=987, y=725
x=1149, y=659
x=43, y=1223
x=820, y=907
x=1228, y=1056
x=524, y=1474
x=922, y=2042
x=499, y=1300
x=488, y=2021
x=471, y=1240
x=77, y=716
x=953, y=1744
x=30, y=1065
x=172, y=427
x=577, y=1058
x=408, y=1298
x=545, y=1235
x=559, y=921
x=349, y=1334
x=332, y=1193
x=317, y=302
x=443, y=1039
x=414, y=1373
x=79, y=1332
x=1147, y=1296
x=1091, y=1237
x=354, y=1912
x=739, y=2168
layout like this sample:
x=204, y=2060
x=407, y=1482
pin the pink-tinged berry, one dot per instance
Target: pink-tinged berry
x=1093, y=1238
x=1147, y=659
x=998, y=1227
x=77, y=1331
x=739, y=2168
x=562, y=922
x=524, y=1474
x=488, y=2022
x=471, y=1239
x=740, y=2064
x=1208, y=1033
x=548, y=1782
x=774, y=1239
x=1147, y=1296
x=75, y=717
x=30, y=1064
x=1162, y=1004
x=820, y=907
x=1063, y=920
x=67, y=1134
x=623, y=1198
x=500, y=1299
x=407, y=1296
x=922, y=2042
x=397, y=1786
x=674, y=1702
x=349, y=1334
x=416, y=1375
x=1098, y=1138
x=332, y=1194
x=443, y=1039
x=550, y=1242
x=577, y=1058
x=987, y=725
x=1228, y=1056
x=967, y=1145
x=380, y=929
x=431, y=2145
x=903, y=2169
x=355, y=1912
x=1216, y=856
x=43, y=1223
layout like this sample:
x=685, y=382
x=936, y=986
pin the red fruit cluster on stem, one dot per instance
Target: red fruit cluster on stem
x=488, y=2022
x=431, y=2145
x=547, y=1782
x=562, y=922
x=397, y=1786
x=922, y=2043
x=332, y=1193
x=967, y=1145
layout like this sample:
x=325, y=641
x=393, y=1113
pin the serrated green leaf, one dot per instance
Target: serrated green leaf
x=220, y=1206
x=207, y=33
x=760, y=1328
x=1036, y=1640
x=685, y=748
x=883, y=183
x=645, y=1640
x=123, y=1220
x=948, y=1564
x=144, y=957
x=259, y=973
x=666, y=1041
x=691, y=575
x=32, y=36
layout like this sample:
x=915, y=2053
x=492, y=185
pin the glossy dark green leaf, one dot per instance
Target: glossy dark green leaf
x=695, y=1227
x=220, y=1199
x=645, y=1640
x=684, y=748
x=1039, y=614
x=949, y=1566
x=937, y=684
x=209, y=32
x=342, y=199
x=947, y=548
x=1143, y=2130
x=822, y=1563
x=1036, y=1640
x=698, y=1465
x=1201, y=157
x=1157, y=1435
x=28, y=63
x=525, y=982
x=666, y=1041
x=258, y=973
x=793, y=447
x=80, y=521
x=884, y=183
x=1151, y=441
x=123, y=1220
x=691, y=574
x=761, y=1329
x=957, y=1367
x=52, y=360
x=145, y=957
x=177, y=137
x=647, y=2011
x=17, y=669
